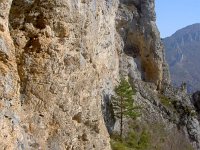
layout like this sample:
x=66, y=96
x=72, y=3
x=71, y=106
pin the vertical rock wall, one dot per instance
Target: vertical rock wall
x=59, y=62
x=65, y=61
x=10, y=107
x=143, y=56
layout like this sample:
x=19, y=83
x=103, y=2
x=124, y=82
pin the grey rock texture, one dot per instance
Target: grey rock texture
x=187, y=115
x=143, y=55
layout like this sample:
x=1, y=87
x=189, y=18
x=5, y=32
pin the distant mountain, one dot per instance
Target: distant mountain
x=183, y=56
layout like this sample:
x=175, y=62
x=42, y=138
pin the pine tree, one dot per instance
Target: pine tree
x=123, y=102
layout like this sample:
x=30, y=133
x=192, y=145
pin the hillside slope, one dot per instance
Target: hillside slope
x=182, y=51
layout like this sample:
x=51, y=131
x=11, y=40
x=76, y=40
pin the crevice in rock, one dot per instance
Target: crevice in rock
x=108, y=112
x=16, y=18
x=77, y=117
x=24, y=25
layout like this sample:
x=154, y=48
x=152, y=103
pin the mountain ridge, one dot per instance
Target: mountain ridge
x=182, y=50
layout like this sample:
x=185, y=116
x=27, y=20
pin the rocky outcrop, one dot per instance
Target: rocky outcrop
x=187, y=115
x=143, y=56
x=60, y=59
x=171, y=109
x=196, y=100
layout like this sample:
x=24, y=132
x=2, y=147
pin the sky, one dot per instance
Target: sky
x=173, y=15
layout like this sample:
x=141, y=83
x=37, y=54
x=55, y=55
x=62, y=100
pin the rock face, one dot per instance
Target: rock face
x=196, y=100
x=182, y=51
x=59, y=63
x=143, y=56
x=10, y=107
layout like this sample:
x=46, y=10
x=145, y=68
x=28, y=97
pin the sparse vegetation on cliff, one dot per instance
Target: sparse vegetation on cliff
x=138, y=138
x=124, y=107
x=166, y=101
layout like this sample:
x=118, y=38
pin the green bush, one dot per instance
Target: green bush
x=143, y=142
x=166, y=101
x=119, y=145
x=135, y=140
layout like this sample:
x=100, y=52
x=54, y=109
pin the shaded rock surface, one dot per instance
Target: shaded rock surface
x=143, y=56
x=196, y=100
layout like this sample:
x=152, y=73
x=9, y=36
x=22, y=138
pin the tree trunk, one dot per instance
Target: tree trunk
x=121, y=118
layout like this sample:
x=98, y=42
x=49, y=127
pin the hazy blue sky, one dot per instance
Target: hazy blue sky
x=176, y=14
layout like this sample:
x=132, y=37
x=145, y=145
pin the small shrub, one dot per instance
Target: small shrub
x=166, y=101
x=118, y=145
x=135, y=140
x=190, y=111
x=143, y=142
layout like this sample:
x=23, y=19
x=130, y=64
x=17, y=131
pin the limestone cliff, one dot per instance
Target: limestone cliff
x=57, y=57
x=59, y=63
x=140, y=41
